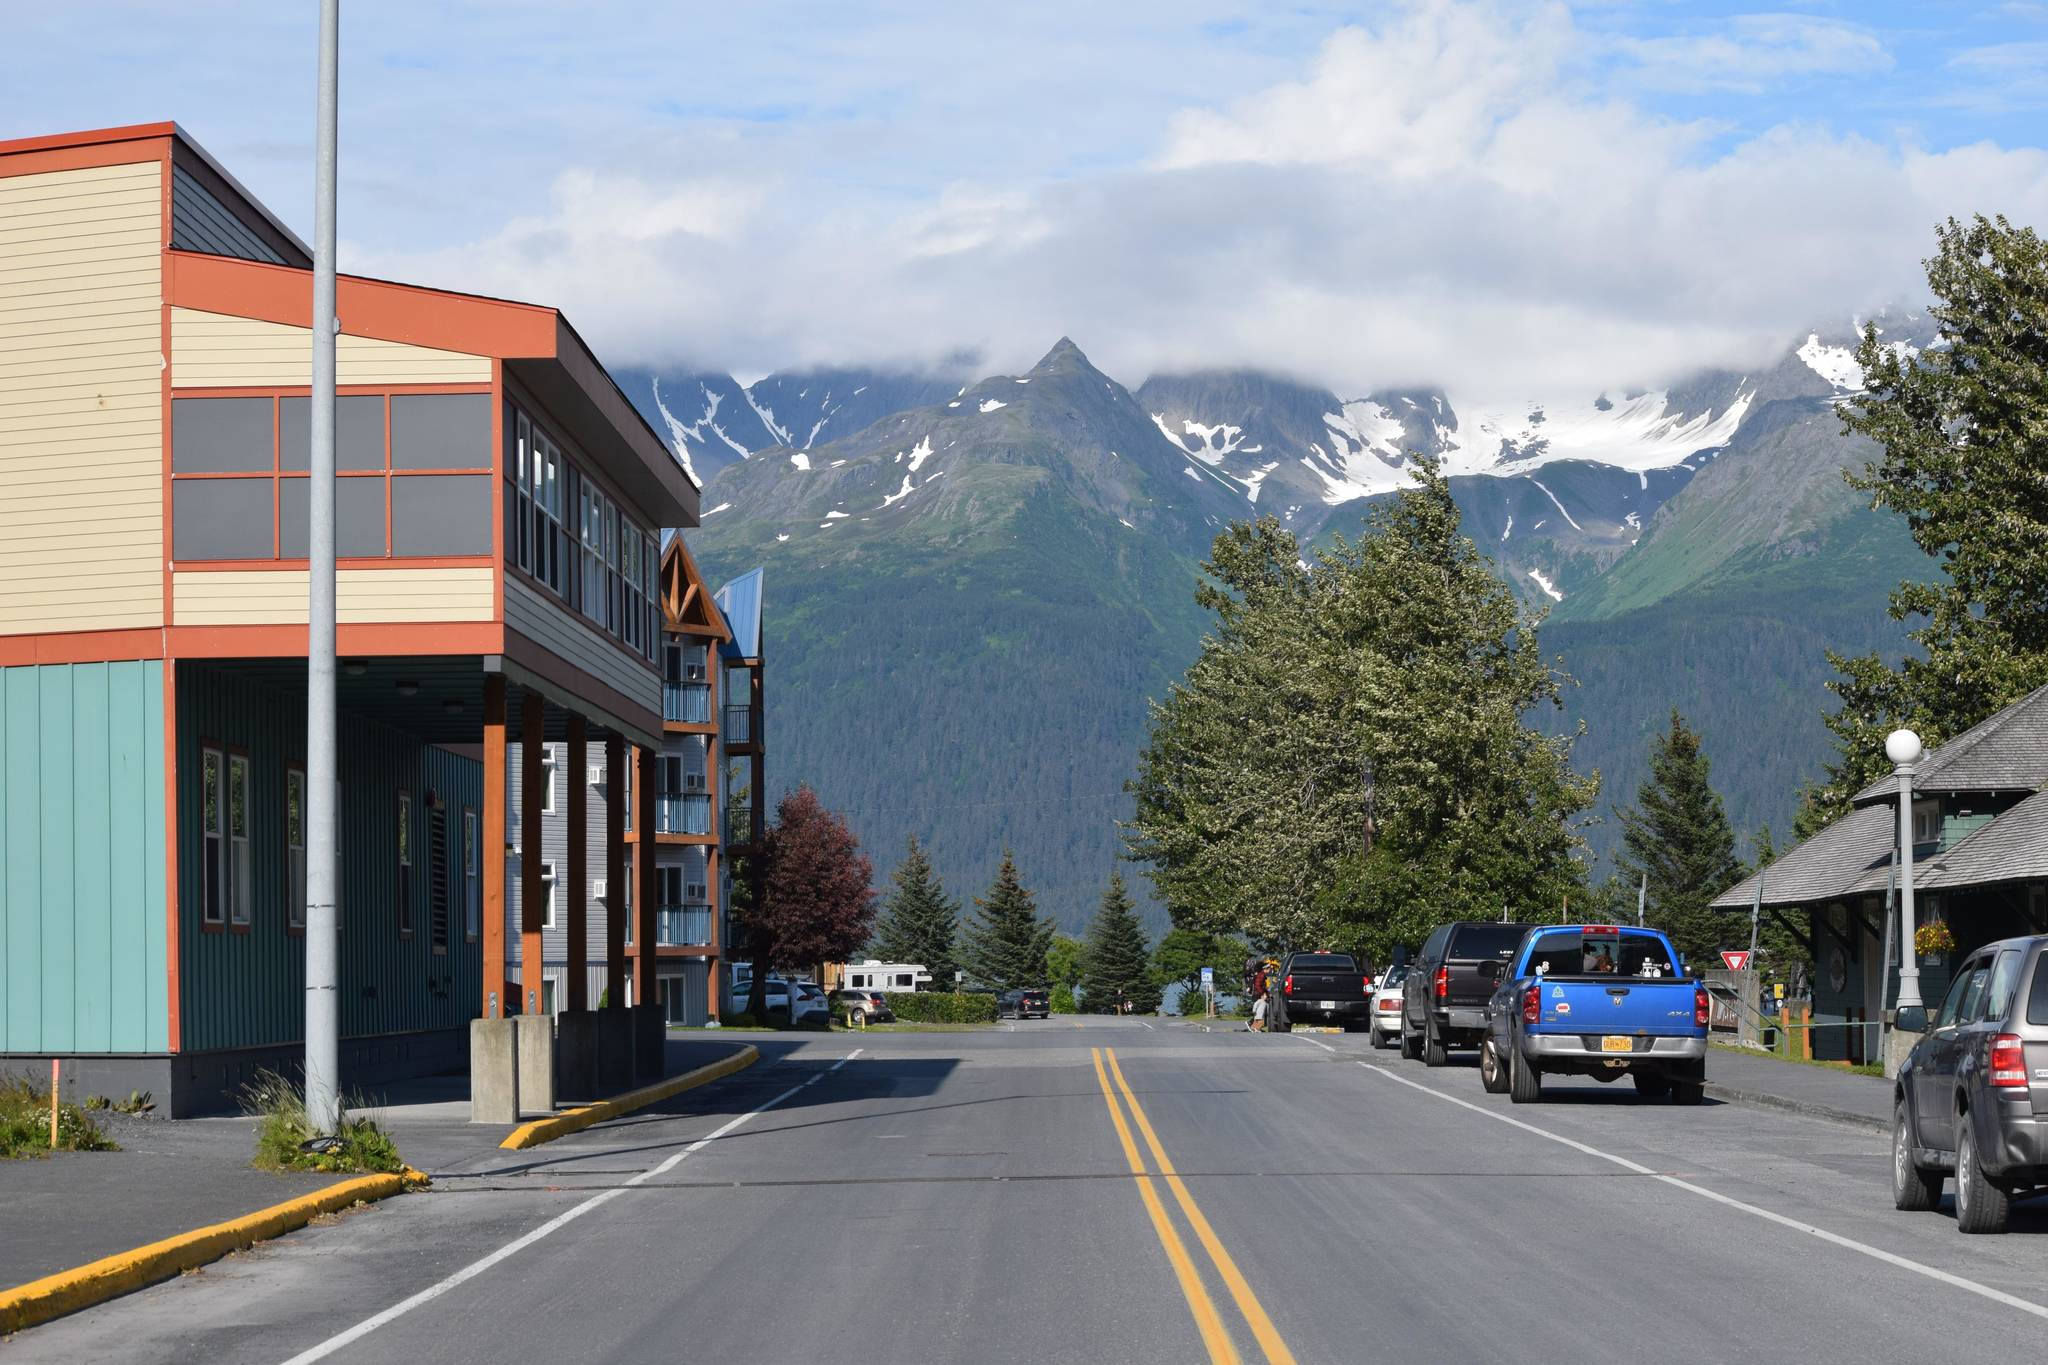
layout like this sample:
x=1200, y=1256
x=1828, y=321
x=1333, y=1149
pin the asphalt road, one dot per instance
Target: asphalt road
x=969, y=1197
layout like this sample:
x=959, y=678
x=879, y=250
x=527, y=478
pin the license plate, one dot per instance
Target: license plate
x=1326, y=1004
x=1617, y=1043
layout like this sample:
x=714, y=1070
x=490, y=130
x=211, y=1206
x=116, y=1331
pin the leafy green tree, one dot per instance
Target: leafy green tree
x=1006, y=940
x=1347, y=761
x=919, y=920
x=1117, y=964
x=1182, y=953
x=1962, y=433
x=1063, y=971
x=1677, y=835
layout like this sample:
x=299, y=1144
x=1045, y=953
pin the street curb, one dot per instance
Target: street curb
x=1806, y=1108
x=536, y=1132
x=95, y=1282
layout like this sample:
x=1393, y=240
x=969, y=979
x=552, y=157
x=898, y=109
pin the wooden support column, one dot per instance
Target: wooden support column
x=493, y=850
x=615, y=871
x=714, y=989
x=532, y=895
x=645, y=991
x=579, y=862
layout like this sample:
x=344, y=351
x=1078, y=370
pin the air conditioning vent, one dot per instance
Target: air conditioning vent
x=693, y=782
x=596, y=775
x=693, y=891
x=597, y=888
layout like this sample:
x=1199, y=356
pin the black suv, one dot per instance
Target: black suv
x=1972, y=1098
x=1024, y=1004
x=1443, y=1001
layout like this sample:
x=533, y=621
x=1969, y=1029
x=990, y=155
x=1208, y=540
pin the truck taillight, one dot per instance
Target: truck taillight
x=1368, y=988
x=1532, y=1004
x=2008, y=1062
x=1443, y=982
x=1289, y=986
x=1699, y=1007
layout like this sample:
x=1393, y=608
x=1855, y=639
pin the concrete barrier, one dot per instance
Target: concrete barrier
x=576, y=1055
x=614, y=1049
x=650, y=1043
x=536, y=1063
x=493, y=1071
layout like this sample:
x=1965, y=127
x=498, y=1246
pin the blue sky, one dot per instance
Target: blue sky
x=1495, y=194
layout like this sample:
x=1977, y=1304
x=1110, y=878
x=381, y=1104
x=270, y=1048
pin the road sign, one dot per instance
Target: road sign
x=1208, y=978
x=1736, y=961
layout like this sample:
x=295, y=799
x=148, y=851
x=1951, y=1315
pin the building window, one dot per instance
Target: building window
x=405, y=864
x=626, y=904
x=472, y=888
x=547, y=895
x=295, y=849
x=239, y=870
x=213, y=905
x=437, y=874
x=550, y=764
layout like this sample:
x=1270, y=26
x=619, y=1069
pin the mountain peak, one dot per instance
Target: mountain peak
x=1063, y=355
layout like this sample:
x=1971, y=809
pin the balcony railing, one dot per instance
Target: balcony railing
x=686, y=703
x=682, y=926
x=740, y=727
x=682, y=813
x=739, y=825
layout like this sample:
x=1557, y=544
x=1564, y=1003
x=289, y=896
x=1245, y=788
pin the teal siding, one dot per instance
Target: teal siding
x=247, y=989
x=82, y=913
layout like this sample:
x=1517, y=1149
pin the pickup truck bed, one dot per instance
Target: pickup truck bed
x=1327, y=988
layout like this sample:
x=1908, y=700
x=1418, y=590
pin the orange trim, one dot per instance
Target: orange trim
x=498, y=471
x=163, y=266
x=129, y=132
x=81, y=647
x=370, y=308
x=381, y=562
x=23, y=157
x=174, y=1035
x=403, y=637
x=306, y=391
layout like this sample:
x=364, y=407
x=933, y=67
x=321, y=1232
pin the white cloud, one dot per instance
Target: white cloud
x=1455, y=195
x=1755, y=50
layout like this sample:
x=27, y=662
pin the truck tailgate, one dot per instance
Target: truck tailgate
x=1617, y=1005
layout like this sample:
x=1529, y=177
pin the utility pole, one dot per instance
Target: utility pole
x=323, y=986
x=1642, y=895
x=1902, y=747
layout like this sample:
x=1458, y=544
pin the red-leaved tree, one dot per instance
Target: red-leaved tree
x=818, y=903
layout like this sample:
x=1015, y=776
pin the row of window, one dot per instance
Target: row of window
x=227, y=874
x=563, y=531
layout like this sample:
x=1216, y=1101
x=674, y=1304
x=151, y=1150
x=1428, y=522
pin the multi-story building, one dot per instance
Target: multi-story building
x=703, y=660
x=499, y=507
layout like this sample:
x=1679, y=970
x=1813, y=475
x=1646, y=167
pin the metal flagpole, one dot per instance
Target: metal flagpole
x=323, y=1081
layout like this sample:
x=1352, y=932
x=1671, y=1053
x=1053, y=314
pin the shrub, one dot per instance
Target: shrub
x=25, y=1123
x=943, y=1007
x=283, y=1130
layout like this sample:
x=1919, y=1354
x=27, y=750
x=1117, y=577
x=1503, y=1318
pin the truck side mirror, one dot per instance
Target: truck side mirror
x=1911, y=1019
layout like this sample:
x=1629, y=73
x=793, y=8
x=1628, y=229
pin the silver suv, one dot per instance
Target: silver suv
x=1972, y=1099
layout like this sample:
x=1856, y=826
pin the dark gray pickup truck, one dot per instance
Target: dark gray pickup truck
x=1327, y=988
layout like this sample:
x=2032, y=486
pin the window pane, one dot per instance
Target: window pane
x=440, y=430
x=441, y=514
x=358, y=518
x=221, y=519
x=358, y=432
x=220, y=435
x=238, y=797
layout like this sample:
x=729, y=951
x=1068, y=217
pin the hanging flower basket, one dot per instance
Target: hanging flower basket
x=1933, y=939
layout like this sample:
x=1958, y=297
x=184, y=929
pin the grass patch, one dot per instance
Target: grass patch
x=1854, y=1069
x=362, y=1146
x=25, y=1123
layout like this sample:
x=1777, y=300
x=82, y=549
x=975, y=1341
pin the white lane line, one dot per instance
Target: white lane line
x=1312, y=1042
x=1834, y=1238
x=1148, y=1025
x=555, y=1224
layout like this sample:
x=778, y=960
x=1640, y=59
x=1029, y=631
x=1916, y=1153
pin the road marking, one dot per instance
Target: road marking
x=1141, y=1021
x=1312, y=1042
x=555, y=1224
x=1240, y=1290
x=1833, y=1238
x=1207, y=1320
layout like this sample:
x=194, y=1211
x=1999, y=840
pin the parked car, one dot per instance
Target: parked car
x=1595, y=1000
x=1327, y=988
x=1386, y=1007
x=866, y=1007
x=1443, y=1001
x=1971, y=1099
x=797, y=1002
x=1034, y=1003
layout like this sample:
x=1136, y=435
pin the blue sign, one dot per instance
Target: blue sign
x=1208, y=978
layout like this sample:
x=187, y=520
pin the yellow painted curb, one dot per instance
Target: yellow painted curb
x=533, y=1134
x=67, y=1291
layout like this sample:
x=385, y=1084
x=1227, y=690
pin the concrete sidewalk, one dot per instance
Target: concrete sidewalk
x=173, y=1176
x=1817, y=1091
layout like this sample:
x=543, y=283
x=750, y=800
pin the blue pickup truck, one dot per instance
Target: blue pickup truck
x=1596, y=1000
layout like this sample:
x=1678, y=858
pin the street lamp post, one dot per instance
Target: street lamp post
x=1902, y=747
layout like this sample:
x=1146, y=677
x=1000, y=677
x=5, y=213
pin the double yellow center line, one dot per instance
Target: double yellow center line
x=1215, y=1336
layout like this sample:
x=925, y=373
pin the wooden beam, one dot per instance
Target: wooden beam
x=579, y=863
x=615, y=872
x=645, y=956
x=532, y=895
x=493, y=851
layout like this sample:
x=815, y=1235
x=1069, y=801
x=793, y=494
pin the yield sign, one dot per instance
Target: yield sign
x=1736, y=961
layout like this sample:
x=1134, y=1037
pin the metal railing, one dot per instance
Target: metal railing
x=686, y=703
x=739, y=725
x=682, y=813
x=739, y=825
x=682, y=926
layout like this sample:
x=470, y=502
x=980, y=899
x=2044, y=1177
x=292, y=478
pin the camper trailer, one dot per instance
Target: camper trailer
x=871, y=975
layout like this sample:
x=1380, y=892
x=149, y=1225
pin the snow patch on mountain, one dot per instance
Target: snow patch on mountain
x=898, y=495
x=1549, y=589
x=800, y=460
x=767, y=416
x=1835, y=364
x=921, y=452
x=716, y=510
x=1560, y=506
x=1641, y=432
x=991, y=404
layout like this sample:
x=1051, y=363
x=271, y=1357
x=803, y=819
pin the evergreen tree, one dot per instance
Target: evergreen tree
x=919, y=920
x=1962, y=427
x=1116, y=964
x=1678, y=836
x=1006, y=941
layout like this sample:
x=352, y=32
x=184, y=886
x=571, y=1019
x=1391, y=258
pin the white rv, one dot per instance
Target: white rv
x=886, y=976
